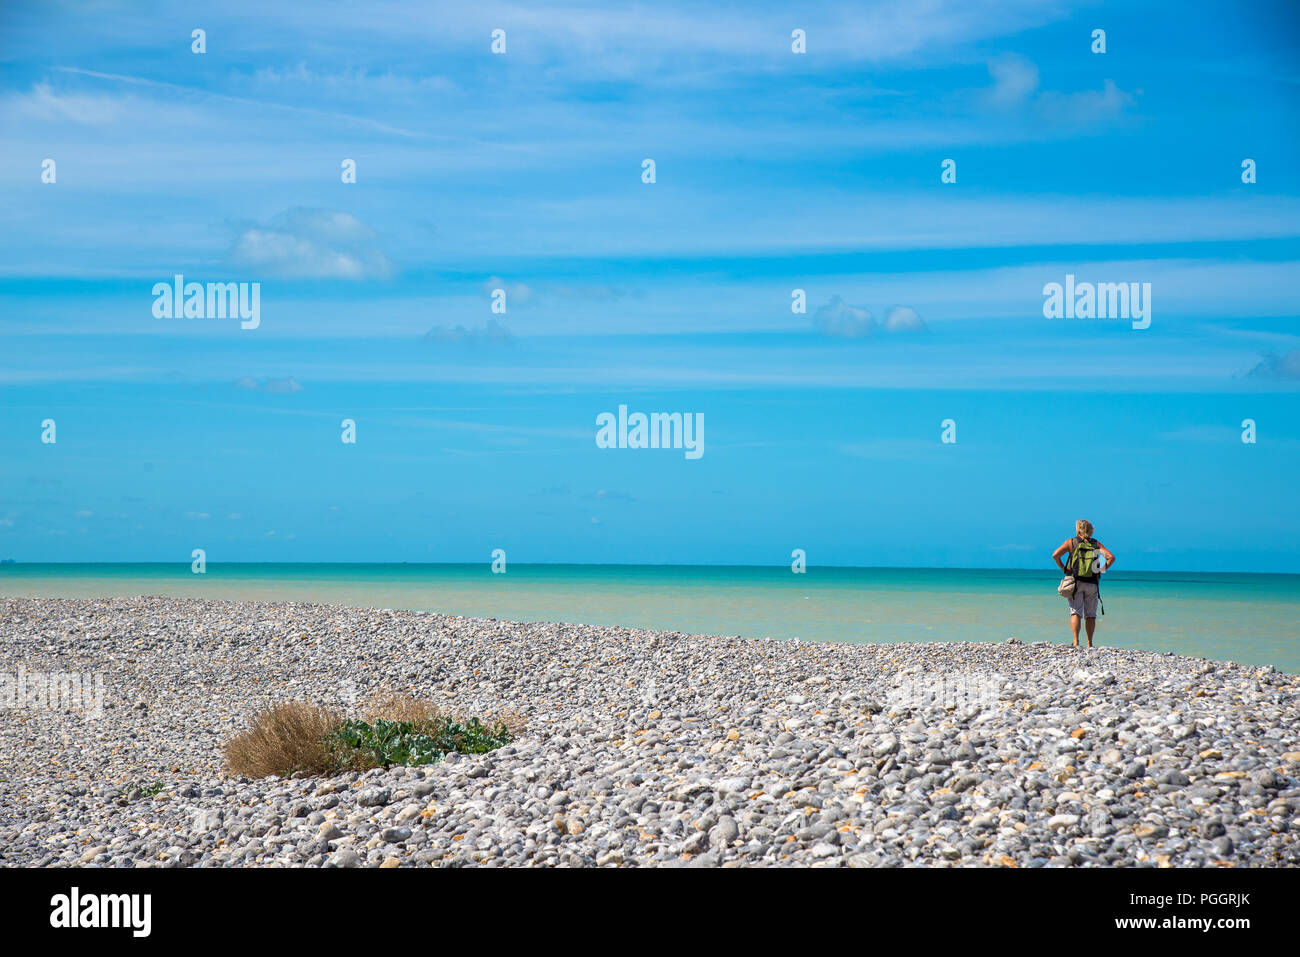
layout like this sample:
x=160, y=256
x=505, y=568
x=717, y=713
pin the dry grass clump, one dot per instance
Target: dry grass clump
x=284, y=739
x=396, y=729
x=399, y=706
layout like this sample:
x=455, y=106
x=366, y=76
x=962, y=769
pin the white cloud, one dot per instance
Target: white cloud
x=903, y=319
x=1086, y=107
x=1015, y=86
x=842, y=321
x=1284, y=366
x=1015, y=80
x=44, y=103
x=311, y=244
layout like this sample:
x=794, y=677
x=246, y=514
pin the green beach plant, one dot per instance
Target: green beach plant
x=140, y=790
x=388, y=743
x=396, y=730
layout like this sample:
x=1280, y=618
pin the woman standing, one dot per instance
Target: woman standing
x=1088, y=558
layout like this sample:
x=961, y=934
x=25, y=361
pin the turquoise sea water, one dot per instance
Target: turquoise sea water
x=1251, y=619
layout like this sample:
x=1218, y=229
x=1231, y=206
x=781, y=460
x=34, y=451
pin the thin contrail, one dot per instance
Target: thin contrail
x=245, y=101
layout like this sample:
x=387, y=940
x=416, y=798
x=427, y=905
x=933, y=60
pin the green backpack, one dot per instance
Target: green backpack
x=1085, y=558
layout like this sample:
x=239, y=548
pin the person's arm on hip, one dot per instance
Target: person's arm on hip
x=1061, y=550
x=1110, y=556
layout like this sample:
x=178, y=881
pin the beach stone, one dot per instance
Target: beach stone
x=345, y=857
x=886, y=744
x=732, y=785
x=328, y=831
x=724, y=832
x=1266, y=779
x=208, y=819
x=374, y=797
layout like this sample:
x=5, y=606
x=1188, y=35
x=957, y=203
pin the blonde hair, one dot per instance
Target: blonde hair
x=1083, y=527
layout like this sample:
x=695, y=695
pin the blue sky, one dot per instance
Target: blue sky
x=774, y=172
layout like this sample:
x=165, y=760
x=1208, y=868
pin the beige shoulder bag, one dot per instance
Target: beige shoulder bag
x=1066, y=588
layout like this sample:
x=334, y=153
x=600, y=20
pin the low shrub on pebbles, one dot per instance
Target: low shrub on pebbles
x=284, y=739
x=641, y=748
x=297, y=737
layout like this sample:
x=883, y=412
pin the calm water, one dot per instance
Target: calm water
x=1252, y=619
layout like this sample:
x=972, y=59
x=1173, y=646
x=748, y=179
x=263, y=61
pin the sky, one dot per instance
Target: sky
x=524, y=171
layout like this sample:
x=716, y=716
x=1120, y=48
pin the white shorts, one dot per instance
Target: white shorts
x=1084, y=600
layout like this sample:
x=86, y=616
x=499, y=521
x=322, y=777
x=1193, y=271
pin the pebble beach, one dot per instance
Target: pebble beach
x=641, y=748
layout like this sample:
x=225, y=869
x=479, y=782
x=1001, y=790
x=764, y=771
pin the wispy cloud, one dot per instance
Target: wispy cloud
x=839, y=320
x=205, y=94
x=904, y=319
x=1015, y=81
x=1086, y=107
x=491, y=333
x=305, y=243
x=1275, y=366
x=274, y=386
x=43, y=104
x=1016, y=86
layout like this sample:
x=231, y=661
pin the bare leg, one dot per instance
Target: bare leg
x=1074, y=628
x=1092, y=626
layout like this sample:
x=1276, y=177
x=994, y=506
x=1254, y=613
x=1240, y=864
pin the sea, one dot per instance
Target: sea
x=1248, y=618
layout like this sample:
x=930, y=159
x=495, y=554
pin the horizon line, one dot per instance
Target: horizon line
x=8, y=562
